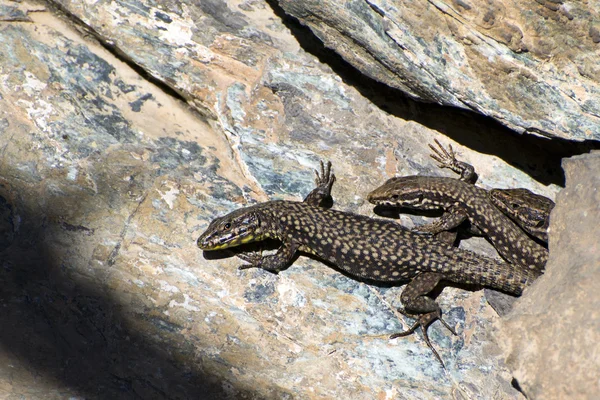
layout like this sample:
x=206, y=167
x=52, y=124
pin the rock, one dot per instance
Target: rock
x=551, y=336
x=107, y=177
x=534, y=68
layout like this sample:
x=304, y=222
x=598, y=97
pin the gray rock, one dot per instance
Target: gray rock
x=551, y=336
x=532, y=66
x=107, y=178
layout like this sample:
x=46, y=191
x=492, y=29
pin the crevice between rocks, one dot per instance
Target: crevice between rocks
x=531, y=152
x=122, y=56
x=538, y=156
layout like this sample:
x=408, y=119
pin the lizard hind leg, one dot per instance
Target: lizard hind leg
x=415, y=301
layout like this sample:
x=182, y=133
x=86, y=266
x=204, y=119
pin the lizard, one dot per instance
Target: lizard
x=529, y=210
x=461, y=199
x=365, y=248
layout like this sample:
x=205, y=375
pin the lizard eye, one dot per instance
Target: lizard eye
x=515, y=205
x=227, y=226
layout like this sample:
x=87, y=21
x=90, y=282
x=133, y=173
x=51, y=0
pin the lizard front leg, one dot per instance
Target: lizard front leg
x=273, y=262
x=447, y=159
x=452, y=218
x=441, y=228
x=278, y=261
x=324, y=182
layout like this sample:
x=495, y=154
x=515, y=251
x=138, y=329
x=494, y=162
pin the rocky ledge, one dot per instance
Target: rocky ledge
x=126, y=127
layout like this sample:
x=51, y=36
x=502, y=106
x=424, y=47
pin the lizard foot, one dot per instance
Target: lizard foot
x=424, y=320
x=254, y=258
x=322, y=193
x=447, y=159
x=325, y=179
x=429, y=229
x=438, y=231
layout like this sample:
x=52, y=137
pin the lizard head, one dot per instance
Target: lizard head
x=530, y=208
x=236, y=228
x=405, y=191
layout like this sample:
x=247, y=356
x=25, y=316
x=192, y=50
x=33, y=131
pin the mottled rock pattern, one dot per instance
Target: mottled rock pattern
x=551, y=337
x=532, y=65
x=107, y=179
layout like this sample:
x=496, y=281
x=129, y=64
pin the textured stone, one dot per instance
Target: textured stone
x=533, y=65
x=107, y=179
x=551, y=336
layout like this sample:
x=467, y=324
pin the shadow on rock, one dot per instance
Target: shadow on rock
x=67, y=330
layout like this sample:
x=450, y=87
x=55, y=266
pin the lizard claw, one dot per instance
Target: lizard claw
x=325, y=179
x=423, y=321
x=446, y=158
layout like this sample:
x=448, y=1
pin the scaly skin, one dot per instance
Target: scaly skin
x=529, y=210
x=461, y=199
x=373, y=249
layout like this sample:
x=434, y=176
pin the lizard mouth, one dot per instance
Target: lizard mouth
x=382, y=203
x=382, y=199
x=213, y=241
x=374, y=199
x=206, y=242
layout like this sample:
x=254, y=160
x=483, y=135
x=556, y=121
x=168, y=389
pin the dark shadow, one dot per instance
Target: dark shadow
x=66, y=329
x=537, y=156
x=515, y=384
x=254, y=247
x=395, y=212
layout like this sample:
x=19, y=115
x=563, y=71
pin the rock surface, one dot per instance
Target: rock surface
x=562, y=360
x=107, y=177
x=533, y=65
